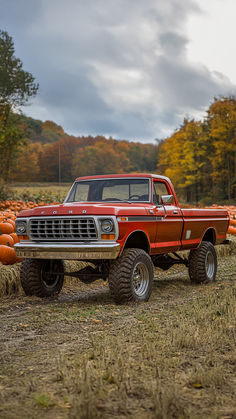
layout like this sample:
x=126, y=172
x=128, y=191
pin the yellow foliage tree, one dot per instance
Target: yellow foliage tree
x=221, y=124
x=200, y=157
x=182, y=157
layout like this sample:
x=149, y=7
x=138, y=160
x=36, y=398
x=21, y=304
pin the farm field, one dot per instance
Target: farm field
x=43, y=190
x=81, y=356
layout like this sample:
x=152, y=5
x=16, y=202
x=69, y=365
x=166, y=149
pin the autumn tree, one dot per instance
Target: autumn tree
x=200, y=156
x=16, y=87
x=12, y=138
x=183, y=156
x=221, y=130
x=102, y=158
x=27, y=164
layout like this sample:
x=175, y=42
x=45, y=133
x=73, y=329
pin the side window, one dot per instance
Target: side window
x=159, y=189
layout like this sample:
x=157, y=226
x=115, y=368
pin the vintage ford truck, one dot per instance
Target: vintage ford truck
x=122, y=225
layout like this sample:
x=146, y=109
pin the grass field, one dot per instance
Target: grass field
x=81, y=356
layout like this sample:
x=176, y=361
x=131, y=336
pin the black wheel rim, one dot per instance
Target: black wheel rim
x=50, y=274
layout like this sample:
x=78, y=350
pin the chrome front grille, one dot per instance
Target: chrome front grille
x=82, y=228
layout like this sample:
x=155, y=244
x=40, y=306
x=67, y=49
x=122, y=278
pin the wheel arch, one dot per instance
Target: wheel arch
x=137, y=239
x=209, y=235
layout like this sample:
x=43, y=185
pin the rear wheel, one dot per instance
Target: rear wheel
x=203, y=263
x=42, y=277
x=131, y=276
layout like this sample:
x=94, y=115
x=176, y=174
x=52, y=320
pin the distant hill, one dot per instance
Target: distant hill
x=42, y=132
x=47, y=143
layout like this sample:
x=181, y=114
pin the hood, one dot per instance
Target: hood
x=88, y=208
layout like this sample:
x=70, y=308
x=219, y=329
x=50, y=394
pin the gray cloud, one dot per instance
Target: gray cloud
x=113, y=67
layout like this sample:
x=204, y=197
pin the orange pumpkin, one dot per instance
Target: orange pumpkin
x=231, y=230
x=6, y=228
x=15, y=237
x=7, y=255
x=232, y=222
x=12, y=222
x=7, y=240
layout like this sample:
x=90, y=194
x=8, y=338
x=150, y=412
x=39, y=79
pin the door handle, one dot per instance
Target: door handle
x=175, y=212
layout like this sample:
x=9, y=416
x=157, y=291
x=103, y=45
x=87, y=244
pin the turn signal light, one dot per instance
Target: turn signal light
x=122, y=218
x=108, y=236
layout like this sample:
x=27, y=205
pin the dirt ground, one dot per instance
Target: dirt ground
x=81, y=356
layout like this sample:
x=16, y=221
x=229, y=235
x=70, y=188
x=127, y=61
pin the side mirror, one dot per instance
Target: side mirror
x=167, y=199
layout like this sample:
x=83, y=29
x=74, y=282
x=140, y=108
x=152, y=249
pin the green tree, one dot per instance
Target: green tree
x=16, y=87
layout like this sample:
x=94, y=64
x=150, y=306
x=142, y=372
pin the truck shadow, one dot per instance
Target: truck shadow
x=172, y=282
x=90, y=296
x=102, y=296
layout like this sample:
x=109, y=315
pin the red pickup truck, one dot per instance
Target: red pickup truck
x=122, y=225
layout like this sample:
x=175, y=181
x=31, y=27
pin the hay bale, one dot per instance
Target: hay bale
x=9, y=279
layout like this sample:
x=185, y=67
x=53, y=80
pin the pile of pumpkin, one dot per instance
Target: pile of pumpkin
x=8, y=236
x=16, y=206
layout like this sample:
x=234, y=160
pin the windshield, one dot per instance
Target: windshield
x=109, y=190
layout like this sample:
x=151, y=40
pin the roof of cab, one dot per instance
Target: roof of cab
x=124, y=175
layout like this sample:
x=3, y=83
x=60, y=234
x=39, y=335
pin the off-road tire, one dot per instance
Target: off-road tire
x=34, y=281
x=203, y=263
x=125, y=272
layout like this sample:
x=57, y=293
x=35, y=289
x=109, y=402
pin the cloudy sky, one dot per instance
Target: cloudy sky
x=132, y=69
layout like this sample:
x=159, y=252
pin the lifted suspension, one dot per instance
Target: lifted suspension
x=166, y=261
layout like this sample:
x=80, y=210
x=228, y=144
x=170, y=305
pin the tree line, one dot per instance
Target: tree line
x=79, y=156
x=200, y=157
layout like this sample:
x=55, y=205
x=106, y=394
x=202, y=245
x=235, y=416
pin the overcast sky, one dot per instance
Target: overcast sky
x=131, y=69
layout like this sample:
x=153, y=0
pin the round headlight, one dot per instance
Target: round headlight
x=20, y=228
x=107, y=226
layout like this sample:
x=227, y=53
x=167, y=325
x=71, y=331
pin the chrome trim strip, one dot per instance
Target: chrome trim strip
x=186, y=219
x=82, y=251
x=144, y=218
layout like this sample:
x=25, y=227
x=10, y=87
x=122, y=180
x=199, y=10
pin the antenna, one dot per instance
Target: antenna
x=59, y=169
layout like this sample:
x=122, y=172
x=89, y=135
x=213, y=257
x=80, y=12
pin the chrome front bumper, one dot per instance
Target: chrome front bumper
x=68, y=250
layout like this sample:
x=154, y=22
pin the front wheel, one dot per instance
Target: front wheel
x=203, y=263
x=131, y=276
x=42, y=277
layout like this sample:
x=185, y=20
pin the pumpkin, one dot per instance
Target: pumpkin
x=6, y=228
x=7, y=240
x=7, y=255
x=15, y=237
x=231, y=230
x=12, y=222
x=232, y=222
